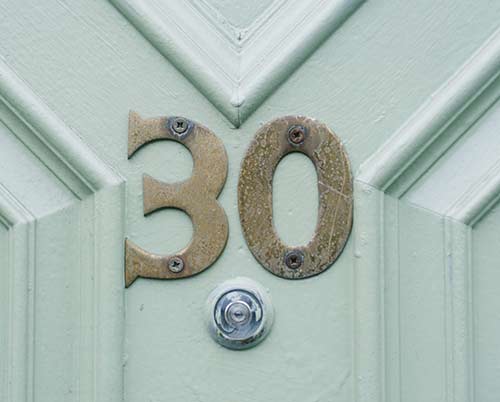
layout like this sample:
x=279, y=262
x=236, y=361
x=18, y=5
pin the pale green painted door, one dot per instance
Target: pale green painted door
x=409, y=312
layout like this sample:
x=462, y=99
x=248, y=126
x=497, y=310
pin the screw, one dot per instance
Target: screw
x=175, y=264
x=180, y=125
x=238, y=313
x=294, y=259
x=296, y=135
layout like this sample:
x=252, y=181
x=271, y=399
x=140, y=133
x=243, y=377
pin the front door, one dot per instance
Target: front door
x=403, y=307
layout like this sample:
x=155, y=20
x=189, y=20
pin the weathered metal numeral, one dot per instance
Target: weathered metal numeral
x=196, y=196
x=271, y=143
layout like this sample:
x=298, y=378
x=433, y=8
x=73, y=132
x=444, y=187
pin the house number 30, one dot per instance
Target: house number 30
x=197, y=197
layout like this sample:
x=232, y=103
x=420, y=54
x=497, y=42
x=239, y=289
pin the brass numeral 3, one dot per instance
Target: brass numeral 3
x=197, y=196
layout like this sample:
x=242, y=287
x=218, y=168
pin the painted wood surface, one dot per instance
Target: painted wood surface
x=408, y=312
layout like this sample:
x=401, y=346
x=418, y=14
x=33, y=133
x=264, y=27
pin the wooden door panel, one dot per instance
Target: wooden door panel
x=407, y=313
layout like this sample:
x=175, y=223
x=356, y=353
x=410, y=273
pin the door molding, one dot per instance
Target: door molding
x=380, y=188
x=237, y=73
x=85, y=281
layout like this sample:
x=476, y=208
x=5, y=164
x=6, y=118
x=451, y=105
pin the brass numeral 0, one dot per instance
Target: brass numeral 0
x=271, y=143
x=197, y=196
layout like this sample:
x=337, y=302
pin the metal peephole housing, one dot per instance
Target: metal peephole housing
x=240, y=313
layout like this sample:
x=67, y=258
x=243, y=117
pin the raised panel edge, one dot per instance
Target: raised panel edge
x=430, y=121
x=53, y=133
x=227, y=87
x=18, y=363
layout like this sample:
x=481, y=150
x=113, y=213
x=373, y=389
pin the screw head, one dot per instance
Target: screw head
x=175, y=264
x=296, y=135
x=294, y=259
x=180, y=125
x=238, y=313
